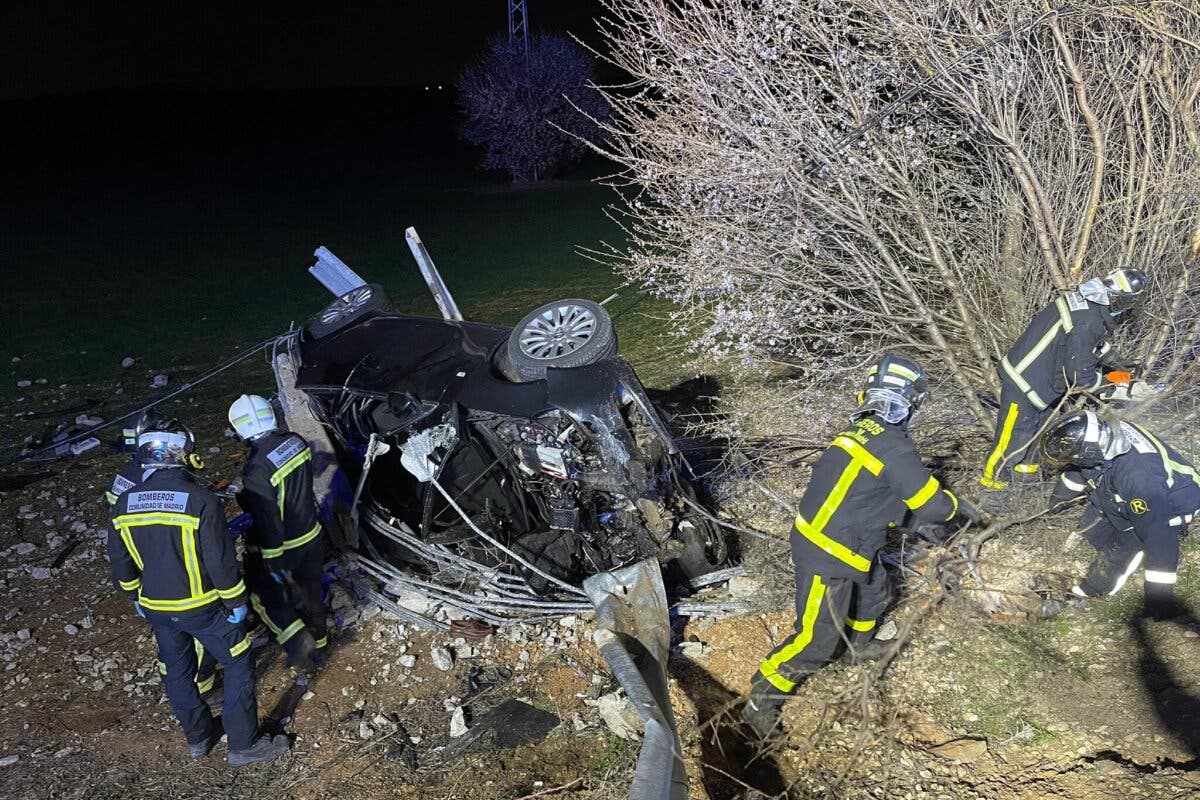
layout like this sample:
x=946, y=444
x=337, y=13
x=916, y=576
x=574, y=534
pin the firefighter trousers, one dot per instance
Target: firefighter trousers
x=1118, y=554
x=230, y=645
x=206, y=672
x=830, y=609
x=294, y=604
x=1015, y=444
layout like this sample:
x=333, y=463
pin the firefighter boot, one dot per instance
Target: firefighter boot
x=763, y=709
x=265, y=748
x=202, y=749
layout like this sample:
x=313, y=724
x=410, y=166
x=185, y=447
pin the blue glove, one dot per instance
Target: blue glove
x=277, y=578
x=237, y=615
x=138, y=608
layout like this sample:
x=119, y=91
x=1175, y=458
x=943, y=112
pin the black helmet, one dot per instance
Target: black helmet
x=1125, y=288
x=1080, y=438
x=896, y=387
x=165, y=442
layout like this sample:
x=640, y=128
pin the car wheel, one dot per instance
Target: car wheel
x=566, y=333
x=355, y=304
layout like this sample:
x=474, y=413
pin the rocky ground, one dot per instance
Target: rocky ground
x=1091, y=703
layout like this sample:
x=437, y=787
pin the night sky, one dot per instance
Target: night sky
x=60, y=47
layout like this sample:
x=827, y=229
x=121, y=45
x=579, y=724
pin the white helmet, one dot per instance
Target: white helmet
x=251, y=416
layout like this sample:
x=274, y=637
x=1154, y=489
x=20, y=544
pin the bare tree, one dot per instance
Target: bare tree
x=821, y=178
x=518, y=105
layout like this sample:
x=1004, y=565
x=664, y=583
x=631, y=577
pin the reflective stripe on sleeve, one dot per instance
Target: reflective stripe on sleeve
x=240, y=647
x=131, y=586
x=1159, y=576
x=924, y=495
x=233, y=591
x=1070, y=484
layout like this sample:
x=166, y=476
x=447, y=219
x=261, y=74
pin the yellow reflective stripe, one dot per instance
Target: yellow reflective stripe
x=1038, y=348
x=860, y=454
x=989, y=469
x=860, y=625
x=111, y=498
x=1064, y=314
x=1022, y=384
x=903, y=372
x=1171, y=467
x=282, y=494
x=156, y=518
x=207, y=684
x=300, y=541
x=233, y=591
x=240, y=647
x=324, y=640
x=257, y=604
x=131, y=586
x=953, y=503
x=926, y=493
x=272, y=552
x=1026, y=469
x=769, y=668
x=186, y=604
x=241, y=419
x=162, y=669
x=127, y=538
x=833, y=548
x=1122, y=281
x=289, y=631
x=291, y=465
x=191, y=560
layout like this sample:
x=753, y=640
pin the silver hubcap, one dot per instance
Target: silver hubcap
x=347, y=304
x=557, y=332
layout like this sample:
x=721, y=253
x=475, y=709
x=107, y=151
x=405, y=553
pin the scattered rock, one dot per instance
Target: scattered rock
x=159, y=381
x=24, y=548
x=24, y=634
x=70, y=629
x=8, y=761
x=962, y=750
x=619, y=715
x=365, y=731
x=743, y=587
x=408, y=661
x=458, y=723
x=126, y=362
x=24, y=384
x=40, y=573
x=693, y=649
x=442, y=659
x=87, y=622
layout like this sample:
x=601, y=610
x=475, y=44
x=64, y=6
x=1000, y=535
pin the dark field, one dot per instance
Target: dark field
x=177, y=227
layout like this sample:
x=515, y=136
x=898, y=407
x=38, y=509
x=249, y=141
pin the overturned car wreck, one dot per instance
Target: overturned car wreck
x=492, y=469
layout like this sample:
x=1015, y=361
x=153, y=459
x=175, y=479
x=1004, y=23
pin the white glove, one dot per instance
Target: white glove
x=1140, y=390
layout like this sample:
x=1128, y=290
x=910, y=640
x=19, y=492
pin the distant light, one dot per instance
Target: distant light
x=427, y=88
x=439, y=87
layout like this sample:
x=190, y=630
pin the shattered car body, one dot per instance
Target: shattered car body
x=493, y=486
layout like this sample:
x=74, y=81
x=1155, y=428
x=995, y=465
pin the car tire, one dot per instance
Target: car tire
x=563, y=334
x=360, y=302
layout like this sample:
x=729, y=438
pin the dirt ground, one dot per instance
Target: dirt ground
x=1090, y=704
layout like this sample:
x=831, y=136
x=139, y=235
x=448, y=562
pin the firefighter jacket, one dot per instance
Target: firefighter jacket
x=169, y=549
x=129, y=476
x=1149, y=491
x=278, y=492
x=869, y=477
x=1062, y=347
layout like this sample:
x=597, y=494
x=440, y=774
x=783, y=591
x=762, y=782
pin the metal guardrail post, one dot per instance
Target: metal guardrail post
x=633, y=633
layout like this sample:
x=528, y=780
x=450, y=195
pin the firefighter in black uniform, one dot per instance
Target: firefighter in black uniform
x=1141, y=495
x=1065, y=346
x=170, y=552
x=126, y=478
x=870, y=477
x=286, y=552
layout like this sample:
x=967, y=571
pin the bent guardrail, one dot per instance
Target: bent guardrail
x=633, y=633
